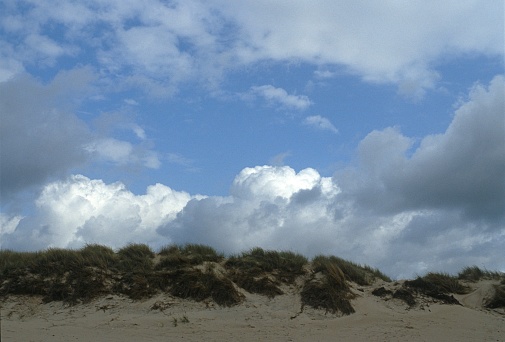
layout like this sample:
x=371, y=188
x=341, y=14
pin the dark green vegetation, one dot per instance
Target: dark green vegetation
x=199, y=273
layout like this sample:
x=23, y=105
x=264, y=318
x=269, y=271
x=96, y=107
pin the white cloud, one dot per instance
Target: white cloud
x=281, y=96
x=270, y=182
x=79, y=210
x=273, y=207
x=319, y=122
x=382, y=42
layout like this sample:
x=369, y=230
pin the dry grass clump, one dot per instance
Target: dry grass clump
x=99, y=256
x=56, y=274
x=13, y=262
x=176, y=256
x=136, y=265
x=263, y=285
x=16, y=276
x=330, y=290
x=438, y=286
x=404, y=294
x=197, y=285
x=136, y=258
x=446, y=283
x=361, y=275
x=262, y=272
x=474, y=273
x=498, y=299
x=285, y=265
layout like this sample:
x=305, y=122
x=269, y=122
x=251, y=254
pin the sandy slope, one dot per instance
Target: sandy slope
x=116, y=318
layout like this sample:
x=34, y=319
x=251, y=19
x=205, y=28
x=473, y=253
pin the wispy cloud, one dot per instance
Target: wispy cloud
x=122, y=152
x=280, y=158
x=281, y=96
x=319, y=122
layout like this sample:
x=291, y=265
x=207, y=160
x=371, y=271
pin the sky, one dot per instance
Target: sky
x=374, y=130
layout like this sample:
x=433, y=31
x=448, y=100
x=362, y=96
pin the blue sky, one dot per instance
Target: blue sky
x=371, y=131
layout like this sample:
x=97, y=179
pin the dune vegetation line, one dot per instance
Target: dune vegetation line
x=198, y=272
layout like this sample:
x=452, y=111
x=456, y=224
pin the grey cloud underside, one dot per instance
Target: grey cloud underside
x=38, y=140
x=43, y=139
x=462, y=169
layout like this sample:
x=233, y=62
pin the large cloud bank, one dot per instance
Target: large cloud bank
x=405, y=206
x=158, y=45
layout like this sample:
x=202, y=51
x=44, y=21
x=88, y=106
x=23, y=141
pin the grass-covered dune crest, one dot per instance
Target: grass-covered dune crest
x=198, y=272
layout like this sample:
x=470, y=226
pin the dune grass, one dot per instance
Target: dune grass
x=498, y=299
x=199, y=285
x=475, y=273
x=263, y=272
x=361, y=275
x=177, y=256
x=439, y=286
x=136, y=258
x=330, y=291
x=99, y=256
x=199, y=272
x=286, y=265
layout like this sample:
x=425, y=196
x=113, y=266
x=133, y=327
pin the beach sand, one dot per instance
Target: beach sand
x=258, y=318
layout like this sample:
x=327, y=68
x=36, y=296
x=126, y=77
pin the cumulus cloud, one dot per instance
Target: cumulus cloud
x=281, y=96
x=319, y=122
x=264, y=208
x=156, y=46
x=78, y=210
x=406, y=207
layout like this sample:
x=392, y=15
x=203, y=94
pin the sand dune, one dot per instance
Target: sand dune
x=166, y=318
